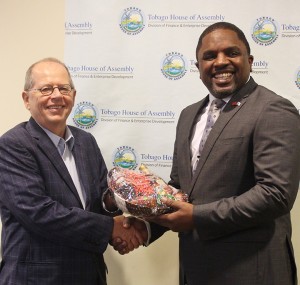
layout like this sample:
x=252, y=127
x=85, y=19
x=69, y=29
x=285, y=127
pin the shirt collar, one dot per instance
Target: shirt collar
x=60, y=142
x=226, y=99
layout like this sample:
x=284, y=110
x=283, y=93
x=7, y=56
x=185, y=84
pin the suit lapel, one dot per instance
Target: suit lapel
x=234, y=105
x=189, y=121
x=48, y=148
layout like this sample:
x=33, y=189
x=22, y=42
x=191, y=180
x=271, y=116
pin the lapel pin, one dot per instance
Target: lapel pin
x=235, y=104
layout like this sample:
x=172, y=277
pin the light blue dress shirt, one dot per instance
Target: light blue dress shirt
x=65, y=147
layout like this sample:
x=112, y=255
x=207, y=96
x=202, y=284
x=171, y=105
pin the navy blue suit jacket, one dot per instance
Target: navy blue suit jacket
x=47, y=236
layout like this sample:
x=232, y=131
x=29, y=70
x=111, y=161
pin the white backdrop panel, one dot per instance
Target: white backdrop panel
x=133, y=67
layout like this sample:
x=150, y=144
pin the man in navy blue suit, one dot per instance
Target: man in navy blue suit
x=56, y=218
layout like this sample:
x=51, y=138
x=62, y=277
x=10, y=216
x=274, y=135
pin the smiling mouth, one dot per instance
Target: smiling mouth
x=55, y=107
x=223, y=76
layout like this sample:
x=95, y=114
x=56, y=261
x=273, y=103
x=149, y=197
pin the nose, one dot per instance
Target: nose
x=221, y=59
x=56, y=93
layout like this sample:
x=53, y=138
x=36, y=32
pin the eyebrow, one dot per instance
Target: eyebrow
x=228, y=49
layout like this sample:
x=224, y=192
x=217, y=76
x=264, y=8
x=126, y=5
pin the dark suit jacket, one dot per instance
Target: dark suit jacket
x=47, y=236
x=243, y=190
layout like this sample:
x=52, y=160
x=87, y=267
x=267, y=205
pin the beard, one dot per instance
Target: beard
x=220, y=94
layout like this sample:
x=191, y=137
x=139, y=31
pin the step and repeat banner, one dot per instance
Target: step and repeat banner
x=133, y=65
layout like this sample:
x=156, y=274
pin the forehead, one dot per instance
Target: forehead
x=49, y=68
x=49, y=73
x=220, y=39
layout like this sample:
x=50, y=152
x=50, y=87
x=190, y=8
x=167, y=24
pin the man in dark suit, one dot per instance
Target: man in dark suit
x=242, y=185
x=56, y=219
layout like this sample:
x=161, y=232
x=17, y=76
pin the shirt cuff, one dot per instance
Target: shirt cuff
x=149, y=233
x=108, y=192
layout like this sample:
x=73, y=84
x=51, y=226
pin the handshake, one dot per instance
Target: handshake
x=128, y=234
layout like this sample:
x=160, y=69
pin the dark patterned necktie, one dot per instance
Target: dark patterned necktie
x=212, y=116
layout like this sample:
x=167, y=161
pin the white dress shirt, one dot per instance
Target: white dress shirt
x=199, y=129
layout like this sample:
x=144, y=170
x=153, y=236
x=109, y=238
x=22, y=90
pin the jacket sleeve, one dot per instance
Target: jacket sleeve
x=274, y=149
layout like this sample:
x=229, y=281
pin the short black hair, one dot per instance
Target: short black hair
x=224, y=26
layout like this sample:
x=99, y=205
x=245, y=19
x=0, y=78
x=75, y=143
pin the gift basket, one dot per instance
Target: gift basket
x=139, y=192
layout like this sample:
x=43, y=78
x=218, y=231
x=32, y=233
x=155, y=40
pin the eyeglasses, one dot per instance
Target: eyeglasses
x=48, y=89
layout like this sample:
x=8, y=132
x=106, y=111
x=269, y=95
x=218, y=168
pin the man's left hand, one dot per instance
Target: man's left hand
x=179, y=221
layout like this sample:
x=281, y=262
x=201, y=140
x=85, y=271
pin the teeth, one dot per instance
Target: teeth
x=223, y=75
x=55, y=107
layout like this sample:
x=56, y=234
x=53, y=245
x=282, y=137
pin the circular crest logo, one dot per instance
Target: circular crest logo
x=297, y=81
x=85, y=115
x=265, y=31
x=173, y=66
x=132, y=21
x=125, y=157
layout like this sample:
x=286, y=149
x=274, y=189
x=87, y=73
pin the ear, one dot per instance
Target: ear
x=250, y=60
x=197, y=65
x=25, y=97
x=74, y=96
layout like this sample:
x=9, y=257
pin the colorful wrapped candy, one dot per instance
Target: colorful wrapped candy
x=139, y=192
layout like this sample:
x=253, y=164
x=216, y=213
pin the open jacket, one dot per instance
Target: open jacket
x=243, y=189
x=47, y=236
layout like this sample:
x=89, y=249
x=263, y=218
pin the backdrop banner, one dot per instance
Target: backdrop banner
x=133, y=65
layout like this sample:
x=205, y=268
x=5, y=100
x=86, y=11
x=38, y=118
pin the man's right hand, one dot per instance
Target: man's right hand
x=128, y=234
